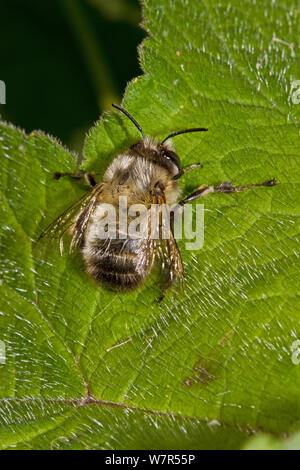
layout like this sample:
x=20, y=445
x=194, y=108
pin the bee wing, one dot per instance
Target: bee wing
x=168, y=247
x=168, y=251
x=172, y=264
x=74, y=218
x=171, y=257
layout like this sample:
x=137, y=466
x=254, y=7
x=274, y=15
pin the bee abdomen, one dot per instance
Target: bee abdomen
x=121, y=272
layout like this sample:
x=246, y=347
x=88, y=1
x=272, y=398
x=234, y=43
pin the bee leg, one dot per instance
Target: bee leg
x=223, y=188
x=88, y=177
x=166, y=286
x=186, y=169
x=229, y=188
x=200, y=192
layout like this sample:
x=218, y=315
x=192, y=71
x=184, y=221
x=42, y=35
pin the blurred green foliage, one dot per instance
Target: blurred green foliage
x=63, y=61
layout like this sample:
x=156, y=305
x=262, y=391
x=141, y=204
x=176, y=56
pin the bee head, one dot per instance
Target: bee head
x=163, y=151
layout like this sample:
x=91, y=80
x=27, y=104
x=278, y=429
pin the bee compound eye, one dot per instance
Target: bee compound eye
x=170, y=155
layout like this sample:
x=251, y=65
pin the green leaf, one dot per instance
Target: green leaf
x=87, y=368
x=267, y=442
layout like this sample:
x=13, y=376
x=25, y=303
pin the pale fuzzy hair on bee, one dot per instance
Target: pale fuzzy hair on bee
x=142, y=174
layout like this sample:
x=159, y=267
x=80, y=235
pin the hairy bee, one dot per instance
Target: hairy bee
x=147, y=173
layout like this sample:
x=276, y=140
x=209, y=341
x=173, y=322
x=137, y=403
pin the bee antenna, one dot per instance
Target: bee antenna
x=185, y=131
x=130, y=117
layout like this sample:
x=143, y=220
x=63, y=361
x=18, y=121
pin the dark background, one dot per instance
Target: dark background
x=65, y=61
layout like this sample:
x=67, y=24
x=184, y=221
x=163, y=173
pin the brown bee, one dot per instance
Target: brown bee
x=147, y=173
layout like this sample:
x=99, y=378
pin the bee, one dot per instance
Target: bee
x=147, y=173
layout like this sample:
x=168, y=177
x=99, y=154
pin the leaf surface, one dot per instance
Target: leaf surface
x=87, y=368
